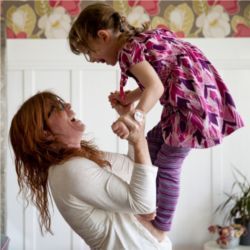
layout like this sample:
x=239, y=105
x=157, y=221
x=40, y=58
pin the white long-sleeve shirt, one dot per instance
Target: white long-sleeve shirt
x=99, y=203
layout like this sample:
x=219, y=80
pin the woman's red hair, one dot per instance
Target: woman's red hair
x=34, y=153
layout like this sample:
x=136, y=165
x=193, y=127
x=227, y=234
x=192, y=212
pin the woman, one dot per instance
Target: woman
x=97, y=193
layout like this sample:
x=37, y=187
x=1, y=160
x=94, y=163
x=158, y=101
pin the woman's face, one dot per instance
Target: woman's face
x=63, y=124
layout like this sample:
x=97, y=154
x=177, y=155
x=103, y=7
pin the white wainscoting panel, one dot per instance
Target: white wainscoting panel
x=35, y=65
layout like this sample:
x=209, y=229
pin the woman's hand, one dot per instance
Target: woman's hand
x=120, y=129
x=127, y=128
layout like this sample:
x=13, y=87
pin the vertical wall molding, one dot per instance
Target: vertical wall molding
x=76, y=79
x=3, y=129
x=217, y=179
x=28, y=83
x=30, y=216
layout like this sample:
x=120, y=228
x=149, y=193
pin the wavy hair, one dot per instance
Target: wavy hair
x=34, y=153
x=94, y=18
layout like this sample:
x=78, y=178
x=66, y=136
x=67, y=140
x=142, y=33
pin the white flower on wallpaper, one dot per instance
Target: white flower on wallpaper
x=55, y=25
x=215, y=23
x=137, y=16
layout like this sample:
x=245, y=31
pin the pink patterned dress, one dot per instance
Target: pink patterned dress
x=198, y=110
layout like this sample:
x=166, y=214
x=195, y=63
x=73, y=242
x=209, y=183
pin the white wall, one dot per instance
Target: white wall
x=48, y=64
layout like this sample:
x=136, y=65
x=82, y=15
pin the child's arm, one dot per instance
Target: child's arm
x=153, y=87
x=153, y=90
x=133, y=96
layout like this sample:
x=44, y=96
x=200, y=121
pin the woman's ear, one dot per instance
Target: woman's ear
x=49, y=136
x=103, y=34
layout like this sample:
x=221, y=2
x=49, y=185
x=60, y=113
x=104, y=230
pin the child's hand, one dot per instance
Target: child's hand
x=115, y=99
x=118, y=105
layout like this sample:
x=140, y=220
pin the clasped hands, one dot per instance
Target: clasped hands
x=125, y=126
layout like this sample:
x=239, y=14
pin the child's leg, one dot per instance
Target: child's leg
x=155, y=141
x=169, y=161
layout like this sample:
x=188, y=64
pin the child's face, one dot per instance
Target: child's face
x=104, y=48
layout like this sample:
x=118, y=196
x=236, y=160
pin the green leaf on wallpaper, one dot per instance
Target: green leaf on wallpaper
x=193, y=35
x=167, y=14
x=34, y=37
x=121, y=6
x=246, y=13
x=237, y=20
x=181, y=18
x=188, y=21
x=200, y=7
x=156, y=21
x=42, y=7
x=21, y=19
x=9, y=14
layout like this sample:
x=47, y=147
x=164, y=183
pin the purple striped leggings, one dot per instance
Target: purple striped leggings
x=169, y=160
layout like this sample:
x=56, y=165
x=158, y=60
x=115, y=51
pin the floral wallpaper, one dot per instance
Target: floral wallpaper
x=193, y=18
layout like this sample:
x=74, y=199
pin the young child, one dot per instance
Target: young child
x=197, y=108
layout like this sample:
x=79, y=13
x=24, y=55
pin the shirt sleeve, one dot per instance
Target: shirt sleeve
x=105, y=190
x=122, y=165
x=132, y=53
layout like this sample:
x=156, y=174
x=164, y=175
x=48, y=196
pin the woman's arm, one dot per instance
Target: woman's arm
x=136, y=138
x=104, y=190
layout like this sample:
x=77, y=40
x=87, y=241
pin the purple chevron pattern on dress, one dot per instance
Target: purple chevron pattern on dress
x=198, y=110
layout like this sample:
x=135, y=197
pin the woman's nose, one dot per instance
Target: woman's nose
x=68, y=106
x=92, y=59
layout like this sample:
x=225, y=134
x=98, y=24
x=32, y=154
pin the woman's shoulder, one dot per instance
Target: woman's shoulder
x=117, y=158
x=71, y=167
x=121, y=165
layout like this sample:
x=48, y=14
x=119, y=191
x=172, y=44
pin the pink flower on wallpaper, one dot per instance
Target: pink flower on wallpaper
x=242, y=30
x=11, y=34
x=230, y=6
x=72, y=7
x=151, y=7
x=180, y=34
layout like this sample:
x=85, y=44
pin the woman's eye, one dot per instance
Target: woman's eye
x=51, y=111
x=61, y=106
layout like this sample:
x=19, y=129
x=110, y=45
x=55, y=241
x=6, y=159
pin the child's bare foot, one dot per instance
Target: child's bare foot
x=157, y=233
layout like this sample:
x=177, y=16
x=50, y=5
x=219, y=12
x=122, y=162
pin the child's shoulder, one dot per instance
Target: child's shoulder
x=148, y=36
x=158, y=32
x=147, y=39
